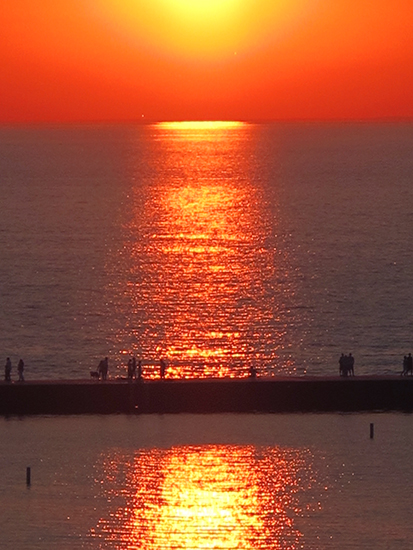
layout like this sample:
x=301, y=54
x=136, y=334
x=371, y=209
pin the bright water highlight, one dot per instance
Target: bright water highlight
x=313, y=482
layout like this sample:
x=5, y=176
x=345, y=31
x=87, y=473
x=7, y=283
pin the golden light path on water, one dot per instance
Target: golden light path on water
x=210, y=496
x=201, y=125
x=205, y=279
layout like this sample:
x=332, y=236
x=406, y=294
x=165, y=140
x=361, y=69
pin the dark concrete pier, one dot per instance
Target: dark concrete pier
x=262, y=395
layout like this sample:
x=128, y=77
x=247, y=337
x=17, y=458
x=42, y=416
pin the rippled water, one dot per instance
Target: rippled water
x=225, y=496
x=213, y=246
x=312, y=482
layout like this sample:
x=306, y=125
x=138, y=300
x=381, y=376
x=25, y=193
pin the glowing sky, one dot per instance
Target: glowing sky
x=76, y=60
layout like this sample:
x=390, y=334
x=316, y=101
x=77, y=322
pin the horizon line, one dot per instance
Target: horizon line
x=211, y=121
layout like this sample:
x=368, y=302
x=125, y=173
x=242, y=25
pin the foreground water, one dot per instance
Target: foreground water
x=213, y=246
x=221, y=481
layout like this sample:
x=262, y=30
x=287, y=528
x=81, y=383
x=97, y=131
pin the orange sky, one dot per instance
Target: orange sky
x=74, y=60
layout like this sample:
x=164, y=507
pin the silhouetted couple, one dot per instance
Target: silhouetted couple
x=134, y=369
x=346, y=363
x=7, y=370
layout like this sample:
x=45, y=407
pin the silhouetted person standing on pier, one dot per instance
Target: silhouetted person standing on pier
x=162, y=367
x=252, y=372
x=407, y=365
x=351, y=365
x=139, y=370
x=342, y=363
x=134, y=367
x=105, y=368
x=20, y=370
x=7, y=370
x=100, y=369
x=130, y=373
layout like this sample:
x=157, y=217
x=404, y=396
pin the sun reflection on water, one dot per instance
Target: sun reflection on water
x=212, y=496
x=206, y=282
x=201, y=124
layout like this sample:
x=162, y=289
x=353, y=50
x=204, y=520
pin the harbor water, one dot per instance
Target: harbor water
x=292, y=482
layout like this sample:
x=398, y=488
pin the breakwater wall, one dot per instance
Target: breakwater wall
x=271, y=395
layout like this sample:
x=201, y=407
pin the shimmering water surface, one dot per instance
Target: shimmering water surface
x=315, y=482
x=214, y=246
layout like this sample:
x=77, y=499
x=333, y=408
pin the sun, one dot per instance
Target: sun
x=185, y=28
x=197, y=10
x=204, y=27
x=199, y=29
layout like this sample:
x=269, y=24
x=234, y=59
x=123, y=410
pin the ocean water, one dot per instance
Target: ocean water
x=213, y=246
x=291, y=482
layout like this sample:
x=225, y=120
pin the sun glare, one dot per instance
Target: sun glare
x=200, y=29
x=198, y=10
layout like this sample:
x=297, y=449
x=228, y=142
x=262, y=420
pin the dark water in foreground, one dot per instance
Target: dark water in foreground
x=215, y=247
x=222, y=481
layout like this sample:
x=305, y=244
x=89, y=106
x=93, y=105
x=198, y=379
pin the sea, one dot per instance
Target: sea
x=215, y=246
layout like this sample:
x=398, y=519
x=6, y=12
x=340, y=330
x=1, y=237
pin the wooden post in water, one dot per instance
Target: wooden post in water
x=371, y=430
x=28, y=476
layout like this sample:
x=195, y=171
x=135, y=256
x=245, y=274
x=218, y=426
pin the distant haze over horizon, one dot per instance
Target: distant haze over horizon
x=166, y=60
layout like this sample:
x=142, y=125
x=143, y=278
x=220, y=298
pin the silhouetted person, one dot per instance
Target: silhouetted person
x=408, y=364
x=162, y=368
x=342, y=365
x=134, y=367
x=105, y=368
x=7, y=370
x=350, y=364
x=130, y=372
x=139, y=370
x=252, y=372
x=20, y=370
x=100, y=369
